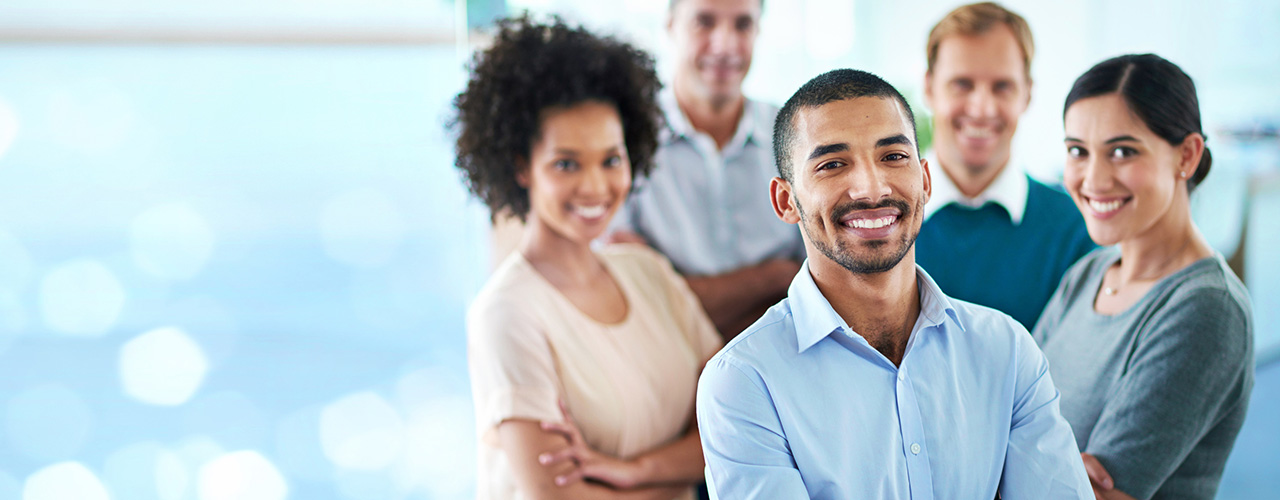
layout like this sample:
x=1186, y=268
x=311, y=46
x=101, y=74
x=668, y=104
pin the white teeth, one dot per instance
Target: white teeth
x=981, y=133
x=590, y=212
x=1107, y=207
x=872, y=223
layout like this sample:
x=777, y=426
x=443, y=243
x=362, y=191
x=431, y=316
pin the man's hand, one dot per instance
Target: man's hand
x=591, y=464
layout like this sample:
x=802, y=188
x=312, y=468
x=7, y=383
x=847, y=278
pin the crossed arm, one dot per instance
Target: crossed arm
x=551, y=460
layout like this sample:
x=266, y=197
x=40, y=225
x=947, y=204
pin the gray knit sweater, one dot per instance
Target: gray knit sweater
x=1158, y=392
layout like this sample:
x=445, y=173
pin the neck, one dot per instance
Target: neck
x=882, y=307
x=714, y=115
x=1171, y=244
x=562, y=261
x=972, y=181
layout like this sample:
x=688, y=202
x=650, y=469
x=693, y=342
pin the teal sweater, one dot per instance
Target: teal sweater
x=979, y=255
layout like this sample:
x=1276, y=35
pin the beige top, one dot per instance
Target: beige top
x=630, y=385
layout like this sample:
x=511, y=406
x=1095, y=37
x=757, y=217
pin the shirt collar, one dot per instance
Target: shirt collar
x=815, y=319
x=750, y=126
x=1009, y=190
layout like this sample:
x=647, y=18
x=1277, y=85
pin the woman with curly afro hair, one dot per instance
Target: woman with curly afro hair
x=583, y=362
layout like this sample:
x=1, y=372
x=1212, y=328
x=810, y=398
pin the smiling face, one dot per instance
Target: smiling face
x=713, y=42
x=578, y=173
x=977, y=90
x=858, y=188
x=1124, y=179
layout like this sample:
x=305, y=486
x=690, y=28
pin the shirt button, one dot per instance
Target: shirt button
x=915, y=448
x=901, y=377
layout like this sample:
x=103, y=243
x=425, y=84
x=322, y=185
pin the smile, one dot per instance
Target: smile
x=1103, y=209
x=590, y=211
x=876, y=223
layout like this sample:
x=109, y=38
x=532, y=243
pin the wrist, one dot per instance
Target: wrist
x=643, y=471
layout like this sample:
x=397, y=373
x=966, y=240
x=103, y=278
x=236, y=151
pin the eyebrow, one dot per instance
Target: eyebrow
x=827, y=149
x=1118, y=138
x=900, y=139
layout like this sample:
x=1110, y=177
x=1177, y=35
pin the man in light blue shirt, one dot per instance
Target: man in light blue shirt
x=867, y=381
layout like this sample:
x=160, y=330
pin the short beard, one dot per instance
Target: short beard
x=845, y=256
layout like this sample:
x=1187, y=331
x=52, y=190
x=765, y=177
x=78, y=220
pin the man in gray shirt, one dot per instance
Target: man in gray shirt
x=706, y=204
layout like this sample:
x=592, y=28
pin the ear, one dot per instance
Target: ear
x=1031, y=86
x=928, y=179
x=522, y=173
x=783, y=203
x=1189, y=153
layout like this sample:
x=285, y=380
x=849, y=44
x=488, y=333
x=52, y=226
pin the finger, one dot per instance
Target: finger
x=552, y=458
x=559, y=428
x=1097, y=473
x=573, y=476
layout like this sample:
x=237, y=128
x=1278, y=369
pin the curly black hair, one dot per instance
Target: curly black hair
x=532, y=67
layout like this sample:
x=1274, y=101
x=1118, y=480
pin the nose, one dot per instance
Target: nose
x=724, y=39
x=868, y=183
x=981, y=103
x=593, y=181
x=1097, y=175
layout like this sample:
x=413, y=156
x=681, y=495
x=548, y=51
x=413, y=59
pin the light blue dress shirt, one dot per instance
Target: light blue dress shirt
x=800, y=406
x=709, y=209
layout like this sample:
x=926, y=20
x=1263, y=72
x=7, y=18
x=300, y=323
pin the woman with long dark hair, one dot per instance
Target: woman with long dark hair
x=1149, y=339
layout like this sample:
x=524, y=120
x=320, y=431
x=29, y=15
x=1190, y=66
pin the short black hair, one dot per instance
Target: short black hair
x=834, y=85
x=532, y=67
x=1157, y=91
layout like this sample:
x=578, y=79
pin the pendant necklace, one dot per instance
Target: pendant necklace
x=1112, y=290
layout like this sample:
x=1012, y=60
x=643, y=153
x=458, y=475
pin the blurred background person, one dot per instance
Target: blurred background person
x=1151, y=340
x=706, y=205
x=993, y=235
x=603, y=348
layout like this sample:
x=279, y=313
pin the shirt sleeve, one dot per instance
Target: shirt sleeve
x=1042, y=460
x=742, y=439
x=512, y=368
x=1187, y=372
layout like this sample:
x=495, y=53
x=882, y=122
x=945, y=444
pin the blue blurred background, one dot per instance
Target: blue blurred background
x=235, y=256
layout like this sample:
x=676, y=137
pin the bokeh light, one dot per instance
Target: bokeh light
x=171, y=241
x=361, y=431
x=362, y=228
x=81, y=298
x=64, y=481
x=146, y=471
x=241, y=475
x=162, y=367
x=48, y=422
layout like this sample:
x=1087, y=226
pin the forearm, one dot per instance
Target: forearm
x=732, y=299
x=679, y=463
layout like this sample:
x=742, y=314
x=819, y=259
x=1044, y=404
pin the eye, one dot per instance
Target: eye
x=565, y=165
x=613, y=161
x=1003, y=87
x=829, y=165
x=961, y=85
x=705, y=21
x=744, y=23
x=895, y=157
x=1076, y=152
x=1123, y=153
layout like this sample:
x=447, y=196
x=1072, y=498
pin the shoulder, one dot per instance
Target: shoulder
x=1211, y=292
x=510, y=296
x=768, y=341
x=984, y=322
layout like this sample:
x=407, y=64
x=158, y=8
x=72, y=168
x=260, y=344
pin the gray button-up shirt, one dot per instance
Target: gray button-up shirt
x=709, y=210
